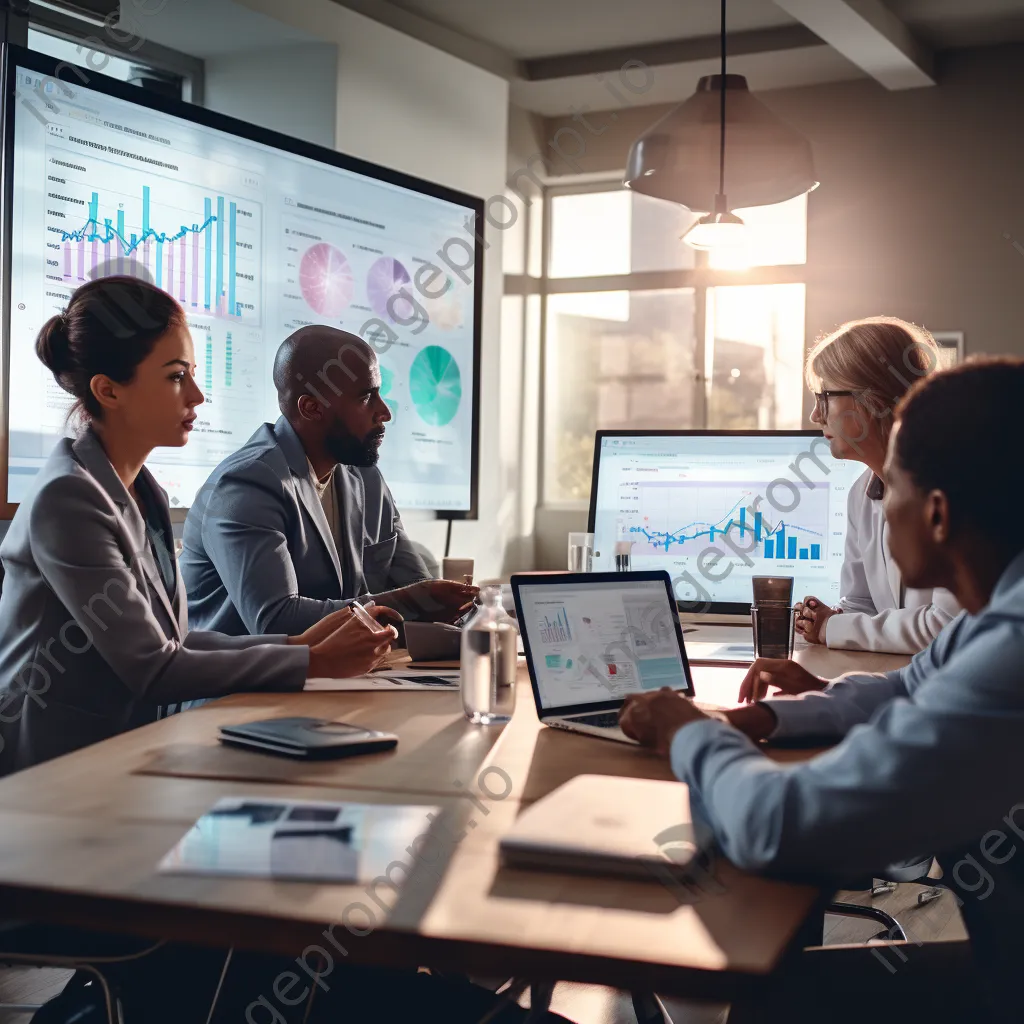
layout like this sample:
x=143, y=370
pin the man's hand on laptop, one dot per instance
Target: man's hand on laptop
x=787, y=675
x=652, y=719
x=430, y=600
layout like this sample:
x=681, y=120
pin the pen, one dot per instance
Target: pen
x=365, y=618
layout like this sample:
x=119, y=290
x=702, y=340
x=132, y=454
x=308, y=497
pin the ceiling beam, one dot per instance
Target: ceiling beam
x=867, y=33
x=676, y=51
x=473, y=51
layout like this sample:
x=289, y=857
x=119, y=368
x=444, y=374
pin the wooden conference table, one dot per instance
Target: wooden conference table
x=80, y=838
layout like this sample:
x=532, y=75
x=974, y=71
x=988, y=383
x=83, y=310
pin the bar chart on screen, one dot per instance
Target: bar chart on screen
x=201, y=246
x=684, y=517
x=556, y=630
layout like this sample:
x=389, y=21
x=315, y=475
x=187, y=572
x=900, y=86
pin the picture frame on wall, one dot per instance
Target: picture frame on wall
x=951, y=348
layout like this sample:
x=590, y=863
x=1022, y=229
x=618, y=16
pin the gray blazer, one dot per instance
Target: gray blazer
x=90, y=642
x=258, y=554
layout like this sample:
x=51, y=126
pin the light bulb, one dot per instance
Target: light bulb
x=717, y=230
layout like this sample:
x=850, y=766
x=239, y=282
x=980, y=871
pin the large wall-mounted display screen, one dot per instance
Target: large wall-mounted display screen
x=255, y=235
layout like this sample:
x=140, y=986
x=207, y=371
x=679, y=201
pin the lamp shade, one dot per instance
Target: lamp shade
x=677, y=158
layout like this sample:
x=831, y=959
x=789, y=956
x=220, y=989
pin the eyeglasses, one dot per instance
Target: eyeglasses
x=821, y=400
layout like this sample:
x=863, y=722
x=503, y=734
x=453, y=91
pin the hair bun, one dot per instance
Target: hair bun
x=53, y=346
x=110, y=326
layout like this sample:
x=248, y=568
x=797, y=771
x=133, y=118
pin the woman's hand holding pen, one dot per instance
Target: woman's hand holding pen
x=341, y=645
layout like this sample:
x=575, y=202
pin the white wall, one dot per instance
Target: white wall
x=291, y=89
x=404, y=104
x=520, y=339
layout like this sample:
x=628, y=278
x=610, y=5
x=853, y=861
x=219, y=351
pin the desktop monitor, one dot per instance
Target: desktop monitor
x=716, y=507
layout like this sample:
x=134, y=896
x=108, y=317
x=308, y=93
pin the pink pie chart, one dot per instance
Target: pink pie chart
x=325, y=279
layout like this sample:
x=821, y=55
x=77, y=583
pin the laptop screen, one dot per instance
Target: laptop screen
x=592, y=642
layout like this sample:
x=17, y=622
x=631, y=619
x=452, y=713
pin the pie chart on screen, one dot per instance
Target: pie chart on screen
x=325, y=279
x=386, y=278
x=445, y=312
x=435, y=386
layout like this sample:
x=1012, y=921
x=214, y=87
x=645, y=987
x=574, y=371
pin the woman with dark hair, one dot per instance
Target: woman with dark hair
x=93, y=625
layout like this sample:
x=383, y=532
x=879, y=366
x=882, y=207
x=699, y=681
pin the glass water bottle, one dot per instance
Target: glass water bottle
x=489, y=643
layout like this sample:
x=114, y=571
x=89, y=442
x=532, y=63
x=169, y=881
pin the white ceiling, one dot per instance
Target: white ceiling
x=553, y=51
x=950, y=23
x=554, y=97
x=543, y=28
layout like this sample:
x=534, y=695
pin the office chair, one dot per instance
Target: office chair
x=110, y=1000
x=19, y=1007
x=650, y=1009
x=893, y=930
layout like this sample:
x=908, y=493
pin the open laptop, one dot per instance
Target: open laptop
x=592, y=638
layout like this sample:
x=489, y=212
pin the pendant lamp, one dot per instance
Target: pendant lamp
x=681, y=158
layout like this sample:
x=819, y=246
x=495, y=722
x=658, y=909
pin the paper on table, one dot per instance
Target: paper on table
x=404, y=679
x=306, y=840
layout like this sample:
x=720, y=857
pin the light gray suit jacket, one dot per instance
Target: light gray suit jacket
x=90, y=643
x=258, y=554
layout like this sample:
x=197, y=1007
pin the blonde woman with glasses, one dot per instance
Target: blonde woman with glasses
x=858, y=374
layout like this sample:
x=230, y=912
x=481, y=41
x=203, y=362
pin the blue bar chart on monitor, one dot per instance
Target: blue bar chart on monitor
x=715, y=509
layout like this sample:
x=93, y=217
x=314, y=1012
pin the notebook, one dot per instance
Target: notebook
x=602, y=824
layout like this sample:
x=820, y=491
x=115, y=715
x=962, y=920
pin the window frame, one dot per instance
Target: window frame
x=149, y=54
x=700, y=279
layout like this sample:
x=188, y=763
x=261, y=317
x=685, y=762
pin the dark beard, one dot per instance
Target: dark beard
x=349, y=450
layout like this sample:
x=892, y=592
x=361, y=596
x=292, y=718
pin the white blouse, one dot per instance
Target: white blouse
x=879, y=612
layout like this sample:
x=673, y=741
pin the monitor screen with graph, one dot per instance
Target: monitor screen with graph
x=715, y=508
x=255, y=234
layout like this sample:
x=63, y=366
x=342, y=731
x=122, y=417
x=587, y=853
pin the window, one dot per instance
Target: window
x=620, y=232
x=172, y=74
x=614, y=359
x=775, y=235
x=642, y=331
x=81, y=54
x=753, y=356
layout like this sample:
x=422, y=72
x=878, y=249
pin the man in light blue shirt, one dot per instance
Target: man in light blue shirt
x=931, y=757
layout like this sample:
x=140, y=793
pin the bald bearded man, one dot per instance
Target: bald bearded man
x=299, y=521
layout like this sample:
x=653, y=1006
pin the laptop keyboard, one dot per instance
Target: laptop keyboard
x=602, y=719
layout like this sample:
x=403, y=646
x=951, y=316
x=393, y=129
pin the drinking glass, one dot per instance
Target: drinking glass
x=774, y=630
x=581, y=552
x=772, y=590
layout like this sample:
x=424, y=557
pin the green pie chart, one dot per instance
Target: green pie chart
x=387, y=378
x=435, y=385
